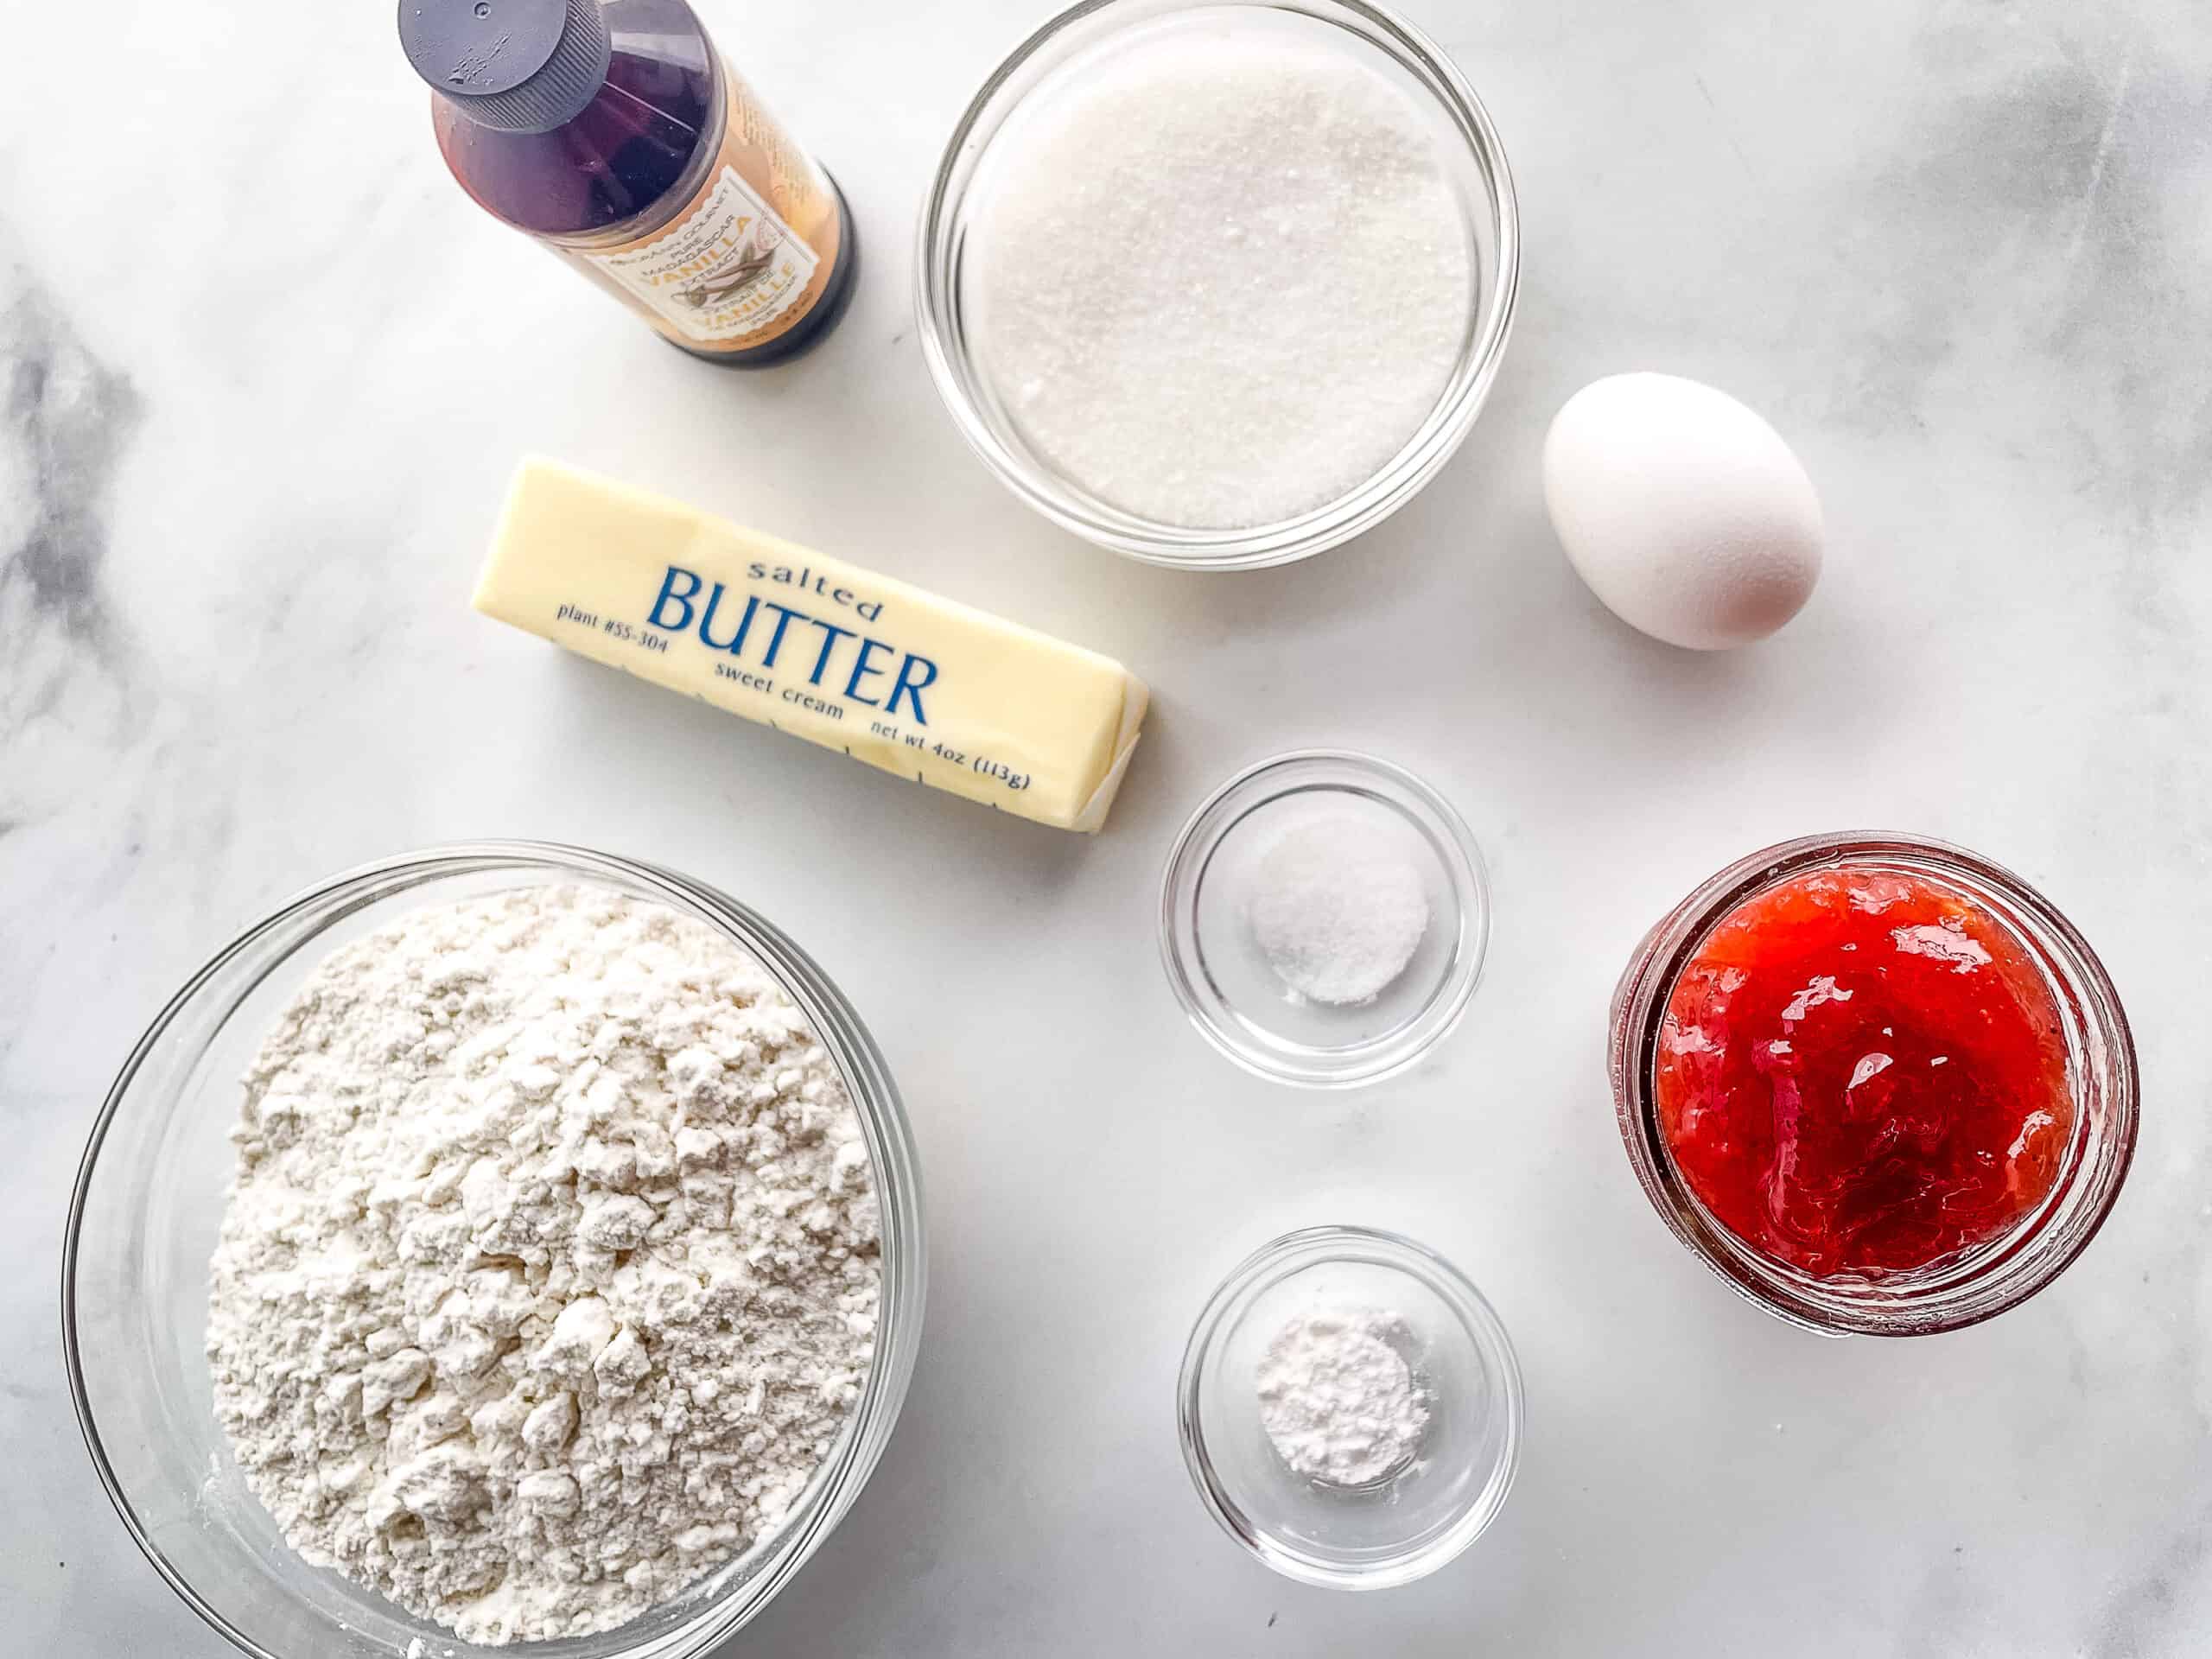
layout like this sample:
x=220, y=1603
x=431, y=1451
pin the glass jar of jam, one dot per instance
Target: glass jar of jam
x=1877, y=1083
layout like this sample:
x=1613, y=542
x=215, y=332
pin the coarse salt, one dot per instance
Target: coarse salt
x=1337, y=910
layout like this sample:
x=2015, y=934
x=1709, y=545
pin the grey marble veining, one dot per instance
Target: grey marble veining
x=65, y=418
x=264, y=370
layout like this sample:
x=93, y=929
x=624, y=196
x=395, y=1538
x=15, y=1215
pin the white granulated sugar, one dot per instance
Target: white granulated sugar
x=1338, y=910
x=551, y=1271
x=1338, y=1398
x=1223, y=276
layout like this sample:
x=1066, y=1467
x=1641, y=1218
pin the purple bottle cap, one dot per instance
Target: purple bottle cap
x=521, y=66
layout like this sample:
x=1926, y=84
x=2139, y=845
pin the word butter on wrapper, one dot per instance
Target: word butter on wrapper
x=813, y=646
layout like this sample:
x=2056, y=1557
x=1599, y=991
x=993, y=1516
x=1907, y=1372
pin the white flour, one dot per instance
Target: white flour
x=1338, y=1398
x=1221, y=277
x=550, y=1272
x=1338, y=911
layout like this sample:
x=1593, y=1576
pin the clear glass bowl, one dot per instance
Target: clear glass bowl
x=1392, y=1531
x=944, y=313
x=1981, y=1282
x=142, y=1225
x=1223, y=979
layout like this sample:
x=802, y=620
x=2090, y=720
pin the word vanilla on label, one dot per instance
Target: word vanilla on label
x=915, y=684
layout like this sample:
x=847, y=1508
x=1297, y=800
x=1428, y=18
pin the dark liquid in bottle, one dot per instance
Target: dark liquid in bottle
x=640, y=150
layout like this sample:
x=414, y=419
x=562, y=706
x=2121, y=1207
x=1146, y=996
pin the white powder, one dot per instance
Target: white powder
x=551, y=1271
x=1338, y=910
x=1224, y=276
x=1338, y=1398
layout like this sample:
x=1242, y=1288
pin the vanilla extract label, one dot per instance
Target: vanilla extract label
x=727, y=269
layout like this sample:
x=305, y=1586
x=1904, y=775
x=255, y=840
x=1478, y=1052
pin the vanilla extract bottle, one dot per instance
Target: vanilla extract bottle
x=613, y=132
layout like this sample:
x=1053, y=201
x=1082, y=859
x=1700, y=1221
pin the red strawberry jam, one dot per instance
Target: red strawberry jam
x=1862, y=1071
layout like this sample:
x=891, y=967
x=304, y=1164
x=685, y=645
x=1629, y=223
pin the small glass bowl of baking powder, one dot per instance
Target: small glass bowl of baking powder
x=1414, y=1517
x=1322, y=919
x=999, y=130
x=142, y=1225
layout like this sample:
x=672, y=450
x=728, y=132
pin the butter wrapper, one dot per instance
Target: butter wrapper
x=915, y=684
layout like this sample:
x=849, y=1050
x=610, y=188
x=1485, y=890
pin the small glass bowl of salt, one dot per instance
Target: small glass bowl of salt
x=1323, y=918
x=1350, y=1409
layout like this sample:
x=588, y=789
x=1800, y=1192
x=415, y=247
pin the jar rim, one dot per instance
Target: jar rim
x=1983, y=1282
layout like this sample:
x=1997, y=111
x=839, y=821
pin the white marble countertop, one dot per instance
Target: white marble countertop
x=264, y=371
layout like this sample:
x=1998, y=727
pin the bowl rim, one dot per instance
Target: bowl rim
x=895, y=1169
x=1332, y=1242
x=1400, y=479
x=1217, y=816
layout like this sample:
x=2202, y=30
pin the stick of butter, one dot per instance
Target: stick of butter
x=814, y=646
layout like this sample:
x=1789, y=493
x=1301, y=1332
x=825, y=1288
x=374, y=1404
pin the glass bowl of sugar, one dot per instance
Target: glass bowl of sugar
x=1350, y=1409
x=1220, y=286
x=1322, y=919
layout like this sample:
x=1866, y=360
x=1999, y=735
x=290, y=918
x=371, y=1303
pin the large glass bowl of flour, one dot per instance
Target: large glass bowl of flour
x=144, y=1221
x=1221, y=285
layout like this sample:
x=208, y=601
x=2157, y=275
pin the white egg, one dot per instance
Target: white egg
x=1686, y=514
